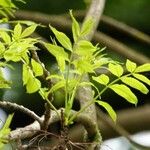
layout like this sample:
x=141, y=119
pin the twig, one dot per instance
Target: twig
x=47, y=114
x=126, y=29
x=120, y=48
x=14, y=106
x=95, y=12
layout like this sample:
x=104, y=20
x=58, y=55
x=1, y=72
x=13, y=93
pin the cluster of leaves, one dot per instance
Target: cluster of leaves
x=82, y=57
x=74, y=61
x=7, y=8
x=5, y=131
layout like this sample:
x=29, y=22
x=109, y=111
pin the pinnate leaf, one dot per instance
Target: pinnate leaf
x=124, y=92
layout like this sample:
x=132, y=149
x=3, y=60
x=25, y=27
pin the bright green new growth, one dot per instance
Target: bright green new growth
x=74, y=59
x=82, y=58
x=5, y=131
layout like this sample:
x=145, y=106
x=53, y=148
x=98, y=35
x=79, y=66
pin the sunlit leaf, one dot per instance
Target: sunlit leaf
x=116, y=69
x=102, y=79
x=37, y=68
x=5, y=37
x=143, y=68
x=142, y=78
x=28, y=31
x=17, y=31
x=59, y=53
x=124, y=92
x=62, y=38
x=85, y=48
x=75, y=27
x=131, y=66
x=83, y=66
x=87, y=26
x=33, y=85
x=2, y=49
x=134, y=83
x=109, y=109
x=5, y=131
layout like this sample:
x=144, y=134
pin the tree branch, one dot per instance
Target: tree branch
x=120, y=48
x=65, y=24
x=14, y=106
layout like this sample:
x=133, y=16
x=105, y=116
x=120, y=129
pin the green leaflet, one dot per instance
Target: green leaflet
x=5, y=37
x=131, y=66
x=115, y=69
x=2, y=49
x=124, y=92
x=87, y=26
x=102, y=79
x=143, y=68
x=28, y=31
x=62, y=38
x=75, y=28
x=33, y=85
x=3, y=82
x=5, y=131
x=59, y=53
x=37, y=68
x=134, y=83
x=57, y=86
x=85, y=48
x=17, y=31
x=142, y=78
x=109, y=109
